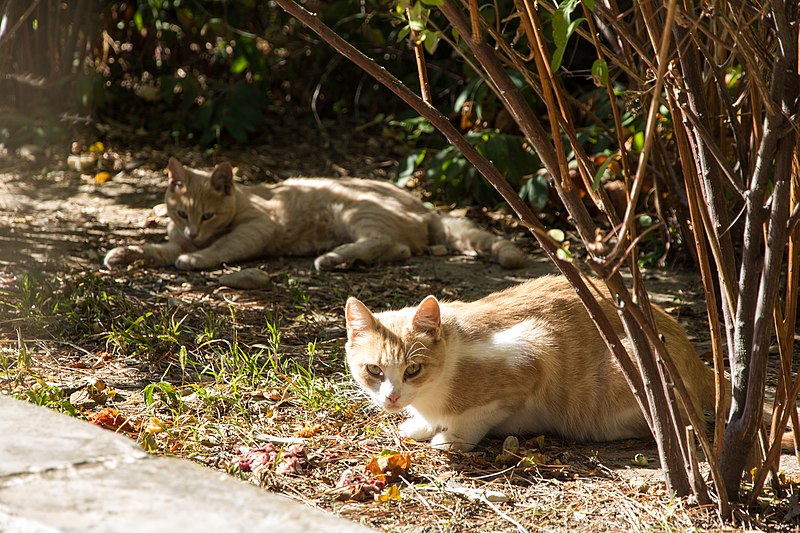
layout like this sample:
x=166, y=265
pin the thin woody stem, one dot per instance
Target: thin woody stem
x=419, y=56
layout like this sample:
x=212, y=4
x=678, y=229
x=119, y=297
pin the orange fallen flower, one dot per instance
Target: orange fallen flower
x=354, y=486
x=110, y=418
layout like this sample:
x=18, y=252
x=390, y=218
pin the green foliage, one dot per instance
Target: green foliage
x=195, y=70
x=414, y=16
x=203, y=72
x=454, y=179
x=235, y=110
x=162, y=392
x=90, y=305
x=33, y=126
x=600, y=72
x=47, y=395
x=74, y=305
x=316, y=392
x=563, y=28
x=152, y=334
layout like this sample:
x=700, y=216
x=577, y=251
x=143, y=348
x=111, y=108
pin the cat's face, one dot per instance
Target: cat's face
x=395, y=356
x=201, y=207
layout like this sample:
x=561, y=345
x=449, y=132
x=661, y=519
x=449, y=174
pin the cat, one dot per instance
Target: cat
x=524, y=360
x=213, y=221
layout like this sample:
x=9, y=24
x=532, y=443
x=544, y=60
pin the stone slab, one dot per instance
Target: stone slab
x=61, y=474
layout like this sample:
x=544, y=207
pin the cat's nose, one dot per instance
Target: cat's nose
x=190, y=234
x=393, y=397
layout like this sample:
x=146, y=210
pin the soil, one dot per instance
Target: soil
x=59, y=222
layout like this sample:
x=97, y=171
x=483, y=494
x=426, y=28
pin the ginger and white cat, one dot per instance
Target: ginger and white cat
x=213, y=221
x=525, y=360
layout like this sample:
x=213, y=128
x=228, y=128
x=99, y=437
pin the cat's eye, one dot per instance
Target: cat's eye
x=207, y=216
x=182, y=214
x=375, y=370
x=413, y=370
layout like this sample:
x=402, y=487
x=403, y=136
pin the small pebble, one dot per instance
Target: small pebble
x=437, y=249
x=511, y=444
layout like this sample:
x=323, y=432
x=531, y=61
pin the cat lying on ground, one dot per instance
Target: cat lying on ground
x=525, y=360
x=213, y=221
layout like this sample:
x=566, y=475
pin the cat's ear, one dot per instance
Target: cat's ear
x=222, y=178
x=428, y=317
x=177, y=174
x=359, y=319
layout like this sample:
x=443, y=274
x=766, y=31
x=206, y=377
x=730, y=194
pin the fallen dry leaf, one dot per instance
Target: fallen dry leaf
x=310, y=431
x=388, y=466
x=534, y=459
x=102, y=177
x=154, y=426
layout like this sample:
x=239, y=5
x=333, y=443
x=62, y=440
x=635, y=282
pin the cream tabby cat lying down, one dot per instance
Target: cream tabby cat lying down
x=213, y=221
x=525, y=360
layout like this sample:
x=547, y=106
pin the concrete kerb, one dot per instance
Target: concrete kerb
x=61, y=474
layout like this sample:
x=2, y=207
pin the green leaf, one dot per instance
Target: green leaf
x=431, y=40
x=558, y=56
x=415, y=13
x=600, y=172
x=433, y=2
x=559, y=39
x=408, y=166
x=239, y=65
x=600, y=72
x=535, y=191
x=556, y=234
x=148, y=394
x=573, y=25
x=645, y=221
x=403, y=33
x=564, y=255
x=562, y=29
x=137, y=19
x=638, y=141
x=373, y=35
x=417, y=25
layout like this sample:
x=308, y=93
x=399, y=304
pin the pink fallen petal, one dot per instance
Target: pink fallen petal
x=253, y=459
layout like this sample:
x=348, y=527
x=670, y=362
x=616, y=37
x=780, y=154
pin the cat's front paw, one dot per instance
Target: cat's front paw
x=122, y=256
x=416, y=428
x=194, y=262
x=330, y=261
x=449, y=442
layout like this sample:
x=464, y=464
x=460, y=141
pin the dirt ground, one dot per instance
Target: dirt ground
x=58, y=222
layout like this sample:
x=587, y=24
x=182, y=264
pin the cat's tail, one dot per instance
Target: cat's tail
x=463, y=236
